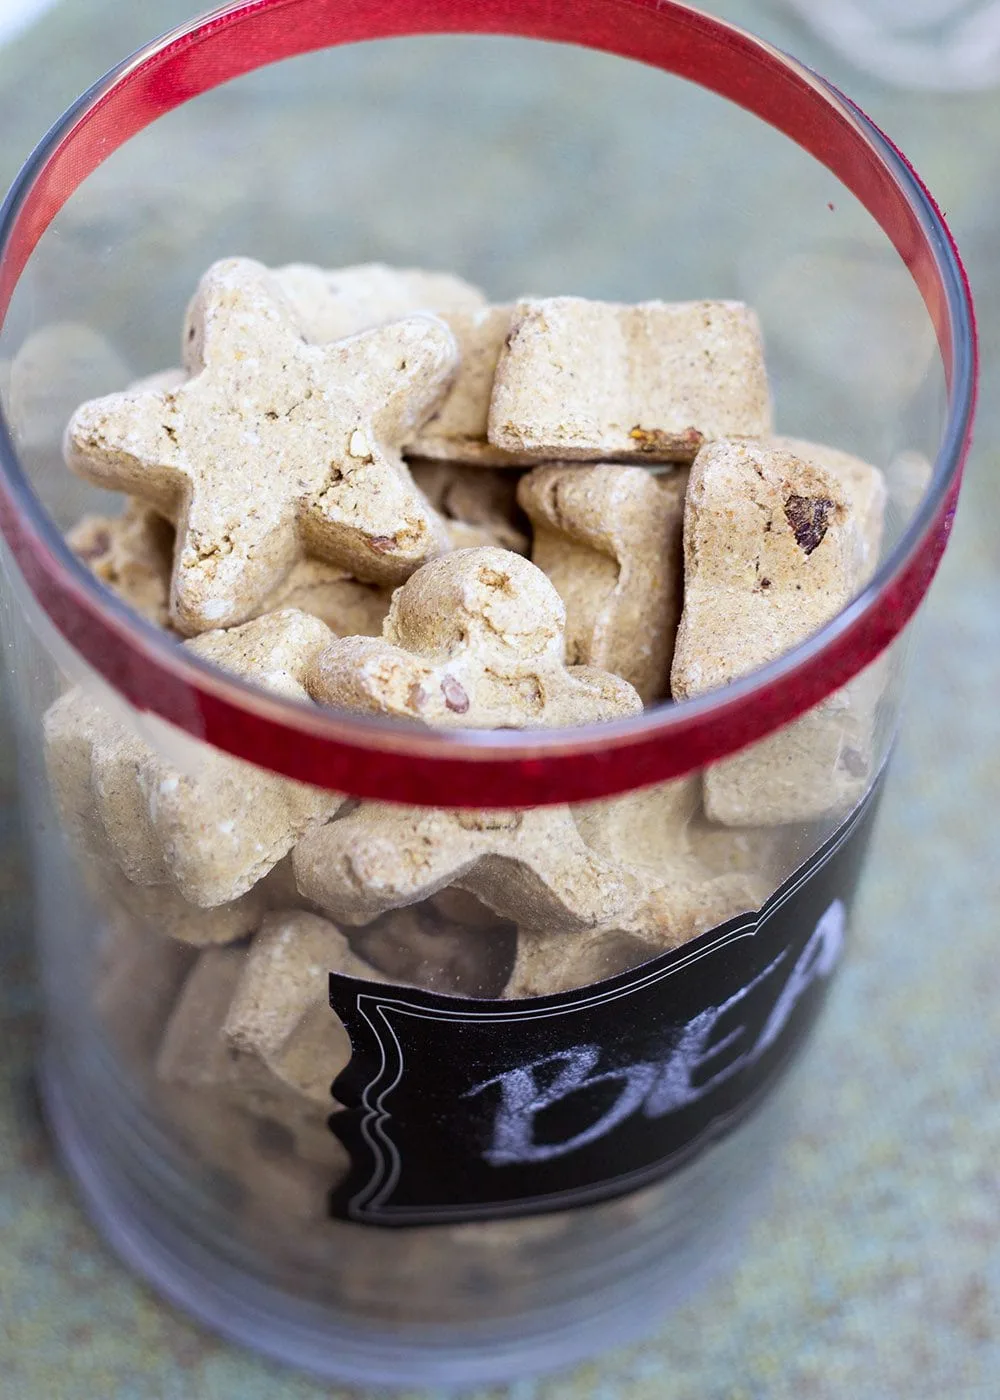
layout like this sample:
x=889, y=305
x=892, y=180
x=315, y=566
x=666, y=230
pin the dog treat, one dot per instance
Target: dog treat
x=474, y=639
x=648, y=835
x=160, y=907
x=213, y=833
x=530, y=866
x=280, y=1009
x=545, y=965
x=864, y=485
x=599, y=381
x=132, y=554
x=821, y=763
x=333, y=304
x=452, y=944
x=773, y=549
x=198, y=1059
x=770, y=552
x=137, y=979
x=457, y=429
x=609, y=538
x=307, y=436
x=479, y=504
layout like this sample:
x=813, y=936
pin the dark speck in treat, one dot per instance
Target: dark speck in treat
x=809, y=517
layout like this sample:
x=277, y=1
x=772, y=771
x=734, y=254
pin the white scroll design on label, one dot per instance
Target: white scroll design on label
x=655, y=1089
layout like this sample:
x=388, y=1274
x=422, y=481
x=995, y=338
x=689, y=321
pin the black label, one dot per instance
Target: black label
x=464, y=1110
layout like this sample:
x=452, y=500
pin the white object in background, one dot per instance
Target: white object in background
x=16, y=15
x=948, y=45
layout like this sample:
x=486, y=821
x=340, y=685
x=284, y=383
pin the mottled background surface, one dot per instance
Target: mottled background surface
x=877, y=1271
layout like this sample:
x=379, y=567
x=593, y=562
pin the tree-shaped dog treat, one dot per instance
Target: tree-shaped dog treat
x=274, y=449
x=473, y=640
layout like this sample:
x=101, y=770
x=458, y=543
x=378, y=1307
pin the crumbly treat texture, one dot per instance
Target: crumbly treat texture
x=600, y=381
x=473, y=640
x=274, y=450
x=609, y=538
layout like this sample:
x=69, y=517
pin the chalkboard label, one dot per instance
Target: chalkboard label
x=460, y=1110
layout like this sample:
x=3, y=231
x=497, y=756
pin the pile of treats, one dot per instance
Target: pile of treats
x=372, y=490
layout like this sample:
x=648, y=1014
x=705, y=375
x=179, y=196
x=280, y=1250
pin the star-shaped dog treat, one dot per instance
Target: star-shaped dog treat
x=274, y=449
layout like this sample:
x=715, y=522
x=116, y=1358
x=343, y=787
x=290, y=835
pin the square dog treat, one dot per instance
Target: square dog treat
x=774, y=547
x=457, y=429
x=331, y=304
x=609, y=538
x=472, y=640
x=212, y=834
x=479, y=504
x=310, y=434
x=597, y=380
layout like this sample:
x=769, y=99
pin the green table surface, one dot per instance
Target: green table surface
x=876, y=1271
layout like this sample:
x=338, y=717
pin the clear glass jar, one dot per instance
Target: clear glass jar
x=552, y=974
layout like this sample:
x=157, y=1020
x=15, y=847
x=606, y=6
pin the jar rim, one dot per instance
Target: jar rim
x=393, y=759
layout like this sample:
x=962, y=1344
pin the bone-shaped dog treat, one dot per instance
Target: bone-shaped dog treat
x=479, y=504
x=773, y=549
x=331, y=304
x=280, y=1009
x=864, y=486
x=456, y=430
x=472, y=640
x=530, y=866
x=214, y=832
x=451, y=943
x=599, y=381
x=609, y=538
x=132, y=554
x=274, y=449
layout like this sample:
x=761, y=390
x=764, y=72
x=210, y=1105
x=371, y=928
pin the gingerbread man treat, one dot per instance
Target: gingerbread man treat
x=599, y=381
x=274, y=450
x=473, y=640
x=609, y=538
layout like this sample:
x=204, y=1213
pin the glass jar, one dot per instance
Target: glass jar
x=411, y=1053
